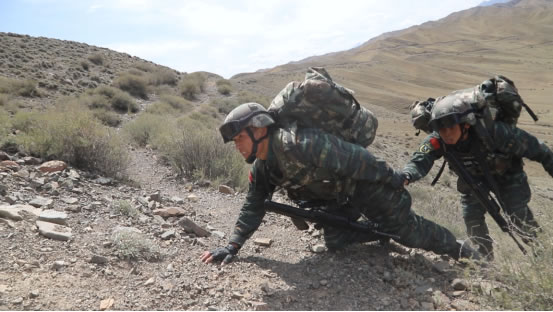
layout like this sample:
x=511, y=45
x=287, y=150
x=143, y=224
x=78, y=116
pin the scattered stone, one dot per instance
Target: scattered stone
x=19, y=212
x=34, y=294
x=318, y=248
x=387, y=276
x=10, y=199
x=192, y=198
x=150, y=281
x=458, y=293
x=58, y=265
x=54, y=231
x=459, y=284
x=259, y=306
x=168, y=234
x=106, y=304
x=422, y=289
x=53, y=216
x=169, y=212
x=191, y=227
x=266, y=242
x=102, y=181
x=177, y=200
x=323, y=282
x=428, y=306
x=8, y=164
x=28, y=160
x=18, y=300
x=441, y=267
x=236, y=295
x=155, y=197
x=218, y=234
x=73, y=175
x=41, y=202
x=98, y=259
x=4, y=156
x=7, y=222
x=70, y=200
x=52, y=166
x=226, y=189
x=440, y=299
x=23, y=174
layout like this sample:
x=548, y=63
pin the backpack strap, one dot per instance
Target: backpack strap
x=437, y=177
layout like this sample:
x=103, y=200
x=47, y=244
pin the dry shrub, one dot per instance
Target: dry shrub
x=144, y=128
x=192, y=84
x=97, y=59
x=224, y=87
x=132, y=245
x=134, y=84
x=75, y=136
x=26, y=87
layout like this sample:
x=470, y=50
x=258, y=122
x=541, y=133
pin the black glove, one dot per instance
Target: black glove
x=397, y=180
x=224, y=254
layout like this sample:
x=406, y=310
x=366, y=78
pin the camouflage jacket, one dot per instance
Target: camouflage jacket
x=310, y=164
x=510, y=146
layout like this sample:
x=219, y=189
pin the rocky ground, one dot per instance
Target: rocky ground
x=138, y=248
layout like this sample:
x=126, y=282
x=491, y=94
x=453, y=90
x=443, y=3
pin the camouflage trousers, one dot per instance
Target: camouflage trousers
x=391, y=210
x=515, y=193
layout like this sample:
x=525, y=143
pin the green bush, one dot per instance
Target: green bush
x=170, y=104
x=26, y=87
x=144, y=128
x=97, y=59
x=246, y=97
x=163, y=76
x=125, y=208
x=24, y=121
x=192, y=84
x=196, y=151
x=107, y=117
x=106, y=97
x=85, y=65
x=4, y=100
x=133, y=84
x=5, y=126
x=223, y=86
x=224, y=106
x=76, y=137
x=132, y=245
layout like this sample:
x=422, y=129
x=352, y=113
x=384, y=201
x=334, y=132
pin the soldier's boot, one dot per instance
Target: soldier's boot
x=336, y=238
x=464, y=251
x=480, y=237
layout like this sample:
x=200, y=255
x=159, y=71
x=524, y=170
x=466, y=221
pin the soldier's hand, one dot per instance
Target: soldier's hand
x=223, y=254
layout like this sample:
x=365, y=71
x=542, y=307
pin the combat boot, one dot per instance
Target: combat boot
x=463, y=250
x=480, y=237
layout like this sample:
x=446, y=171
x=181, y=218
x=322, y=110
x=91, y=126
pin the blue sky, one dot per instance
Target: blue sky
x=222, y=37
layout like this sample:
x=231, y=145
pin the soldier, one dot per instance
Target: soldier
x=313, y=165
x=454, y=124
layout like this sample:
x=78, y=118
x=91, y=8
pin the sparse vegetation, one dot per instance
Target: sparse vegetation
x=27, y=87
x=80, y=140
x=144, y=128
x=132, y=83
x=132, y=245
x=125, y=208
x=223, y=86
x=96, y=59
x=191, y=85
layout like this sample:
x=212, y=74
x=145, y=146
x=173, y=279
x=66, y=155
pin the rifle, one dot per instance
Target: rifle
x=322, y=217
x=484, y=197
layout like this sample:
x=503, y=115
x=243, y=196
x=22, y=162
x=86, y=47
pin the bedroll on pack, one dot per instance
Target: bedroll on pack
x=420, y=114
x=319, y=102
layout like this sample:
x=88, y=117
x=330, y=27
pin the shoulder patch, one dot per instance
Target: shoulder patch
x=425, y=148
x=250, y=177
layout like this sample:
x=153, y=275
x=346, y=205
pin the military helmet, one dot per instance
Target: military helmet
x=243, y=116
x=451, y=110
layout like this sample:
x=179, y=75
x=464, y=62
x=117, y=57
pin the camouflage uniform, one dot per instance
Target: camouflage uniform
x=313, y=165
x=506, y=166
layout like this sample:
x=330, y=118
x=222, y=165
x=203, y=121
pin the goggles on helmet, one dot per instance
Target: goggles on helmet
x=445, y=122
x=232, y=128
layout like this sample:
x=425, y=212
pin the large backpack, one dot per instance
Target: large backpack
x=319, y=102
x=495, y=99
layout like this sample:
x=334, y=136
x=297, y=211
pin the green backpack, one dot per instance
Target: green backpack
x=319, y=102
x=496, y=99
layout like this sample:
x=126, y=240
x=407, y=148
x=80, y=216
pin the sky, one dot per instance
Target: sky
x=222, y=37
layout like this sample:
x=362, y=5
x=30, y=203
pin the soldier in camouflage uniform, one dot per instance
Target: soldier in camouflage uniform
x=454, y=125
x=313, y=165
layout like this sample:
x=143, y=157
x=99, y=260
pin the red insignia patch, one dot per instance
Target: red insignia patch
x=435, y=143
x=250, y=177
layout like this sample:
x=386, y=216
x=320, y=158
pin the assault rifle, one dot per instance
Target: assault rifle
x=484, y=196
x=317, y=215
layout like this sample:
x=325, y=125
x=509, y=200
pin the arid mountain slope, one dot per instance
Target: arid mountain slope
x=434, y=58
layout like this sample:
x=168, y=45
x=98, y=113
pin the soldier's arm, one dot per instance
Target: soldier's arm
x=517, y=142
x=345, y=159
x=423, y=158
x=252, y=211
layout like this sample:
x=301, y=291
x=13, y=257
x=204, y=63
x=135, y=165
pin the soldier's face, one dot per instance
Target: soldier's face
x=243, y=143
x=451, y=135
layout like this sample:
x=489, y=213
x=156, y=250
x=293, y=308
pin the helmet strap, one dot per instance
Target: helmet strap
x=251, y=158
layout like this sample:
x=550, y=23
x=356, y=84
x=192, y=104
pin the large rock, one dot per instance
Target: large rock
x=191, y=227
x=170, y=212
x=53, y=166
x=11, y=165
x=19, y=212
x=41, y=202
x=53, y=216
x=226, y=189
x=54, y=231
